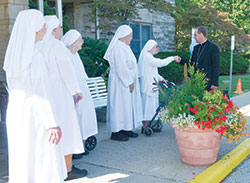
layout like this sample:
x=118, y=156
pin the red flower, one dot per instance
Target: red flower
x=192, y=110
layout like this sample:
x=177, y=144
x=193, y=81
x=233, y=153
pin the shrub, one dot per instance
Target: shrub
x=246, y=55
x=91, y=54
x=173, y=72
x=240, y=64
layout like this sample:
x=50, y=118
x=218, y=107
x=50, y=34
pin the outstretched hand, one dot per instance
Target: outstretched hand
x=177, y=59
x=213, y=87
x=55, y=135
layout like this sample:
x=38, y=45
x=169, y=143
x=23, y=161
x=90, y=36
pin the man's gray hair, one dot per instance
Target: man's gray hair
x=203, y=30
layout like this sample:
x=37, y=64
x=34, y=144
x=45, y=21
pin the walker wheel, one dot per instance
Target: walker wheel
x=159, y=125
x=148, y=131
x=90, y=143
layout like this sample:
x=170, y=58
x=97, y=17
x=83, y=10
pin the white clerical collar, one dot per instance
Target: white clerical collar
x=203, y=42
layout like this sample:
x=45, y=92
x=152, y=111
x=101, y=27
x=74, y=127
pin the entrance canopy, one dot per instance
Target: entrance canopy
x=58, y=8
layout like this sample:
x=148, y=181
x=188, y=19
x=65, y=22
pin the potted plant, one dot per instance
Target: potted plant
x=201, y=118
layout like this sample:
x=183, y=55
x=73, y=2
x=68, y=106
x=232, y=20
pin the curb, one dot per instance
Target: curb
x=219, y=170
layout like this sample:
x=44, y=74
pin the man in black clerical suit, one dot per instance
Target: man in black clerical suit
x=205, y=57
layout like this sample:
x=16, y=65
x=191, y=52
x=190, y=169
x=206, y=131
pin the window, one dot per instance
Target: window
x=141, y=34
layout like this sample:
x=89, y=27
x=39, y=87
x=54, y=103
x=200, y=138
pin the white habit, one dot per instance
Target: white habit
x=148, y=69
x=85, y=108
x=32, y=158
x=124, y=110
x=65, y=85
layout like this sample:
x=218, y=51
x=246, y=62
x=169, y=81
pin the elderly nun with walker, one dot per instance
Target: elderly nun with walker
x=148, y=71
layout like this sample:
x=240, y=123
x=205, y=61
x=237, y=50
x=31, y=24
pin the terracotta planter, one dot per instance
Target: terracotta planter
x=198, y=147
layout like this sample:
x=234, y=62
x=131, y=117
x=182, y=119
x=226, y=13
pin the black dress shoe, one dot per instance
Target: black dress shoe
x=119, y=136
x=77, y=156
x=76, y=173
x=130, y=133
x=86, y=153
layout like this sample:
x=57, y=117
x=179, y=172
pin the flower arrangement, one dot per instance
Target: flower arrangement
x=194, y=107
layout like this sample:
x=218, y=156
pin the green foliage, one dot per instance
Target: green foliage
x=247, y=55
x=92, y=57
x=191, y=14
x=192, y=91
x=173, y=72
x=120, y=11
x=238, y=11
x=240, y=64
x=49, y=10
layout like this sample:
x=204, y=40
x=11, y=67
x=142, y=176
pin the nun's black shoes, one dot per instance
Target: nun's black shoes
x=130, y=133
x=79, y=156
x=119, y=136
x=76, y=173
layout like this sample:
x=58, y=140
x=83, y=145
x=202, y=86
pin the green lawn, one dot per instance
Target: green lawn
x=224, y=83
x=245, y=83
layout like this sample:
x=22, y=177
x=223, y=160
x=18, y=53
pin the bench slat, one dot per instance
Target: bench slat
x=98, y=91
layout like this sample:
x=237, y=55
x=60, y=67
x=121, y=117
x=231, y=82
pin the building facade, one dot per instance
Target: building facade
x=8, y=12
x=158, y=26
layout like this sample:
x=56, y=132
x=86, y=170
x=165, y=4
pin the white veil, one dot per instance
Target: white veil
x=121, y=32
x=148, y=46
x=70, y=37
x=19, y=55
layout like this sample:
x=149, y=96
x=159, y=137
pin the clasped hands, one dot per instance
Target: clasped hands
x=177, y=59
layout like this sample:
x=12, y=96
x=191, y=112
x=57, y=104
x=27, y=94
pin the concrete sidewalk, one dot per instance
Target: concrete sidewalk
x=145, y=159
x=153, y=159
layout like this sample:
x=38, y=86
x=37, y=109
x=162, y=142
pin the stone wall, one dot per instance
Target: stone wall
x=8, y=12
x=82, y=22
x=163, y=28
x=163, y=25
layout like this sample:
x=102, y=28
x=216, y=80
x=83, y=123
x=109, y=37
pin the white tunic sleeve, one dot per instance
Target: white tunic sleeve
x=41, y=88
x=157, y=62
x=66, y=70
x=122, y=67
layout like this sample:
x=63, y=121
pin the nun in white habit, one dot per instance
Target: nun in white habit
x=124, y=110
x=32, y=129
x=65, y=88
x=148, y=69
x=85, y=108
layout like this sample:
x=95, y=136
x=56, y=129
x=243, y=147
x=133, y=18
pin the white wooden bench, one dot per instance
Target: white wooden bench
x=98, y=91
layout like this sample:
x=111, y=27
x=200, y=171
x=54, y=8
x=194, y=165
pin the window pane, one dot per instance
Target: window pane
x=135, y=46
x=135, y=43
x=146, y=34
x=136, y=31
